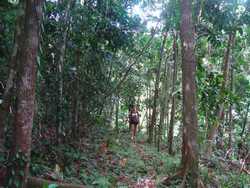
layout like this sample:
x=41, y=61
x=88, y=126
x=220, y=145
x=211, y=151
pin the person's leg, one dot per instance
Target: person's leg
x=132, y=132
x=135, y=131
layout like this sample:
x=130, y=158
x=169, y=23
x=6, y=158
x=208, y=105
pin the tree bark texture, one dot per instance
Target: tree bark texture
x=230, y=123
x=164, y=99
x=8, y=91
x=25, y=98
x=117, y=115
x=171, y=125
x=190, y=125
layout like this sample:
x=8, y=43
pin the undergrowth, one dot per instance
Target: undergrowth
x=111, y=160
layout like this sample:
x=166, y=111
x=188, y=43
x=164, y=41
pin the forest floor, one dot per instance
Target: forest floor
x=106, y=159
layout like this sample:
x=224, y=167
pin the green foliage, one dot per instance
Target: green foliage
x=225, y=179
x=7, y=28
x=50, y=186
x=102, y=182
x=17, y=161
x=235, y=180
x=103, y=39
x=120, y=166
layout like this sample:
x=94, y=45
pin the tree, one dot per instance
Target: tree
x=190, y=124
x=64, y=19
x=156, y=92
x=8, y=90
x=164, y=101
x=172, y=118
x=220, y=110
x=98, y=57
x=25, y=97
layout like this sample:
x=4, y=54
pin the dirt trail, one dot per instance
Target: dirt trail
x=149, y=180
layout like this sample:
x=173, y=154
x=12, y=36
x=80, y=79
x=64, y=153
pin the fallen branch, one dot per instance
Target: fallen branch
x=39, y=183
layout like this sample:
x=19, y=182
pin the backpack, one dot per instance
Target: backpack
x=134, y=117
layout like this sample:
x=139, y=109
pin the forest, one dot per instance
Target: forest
x=124, y=93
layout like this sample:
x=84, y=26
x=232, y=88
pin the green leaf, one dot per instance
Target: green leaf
x=101, y=182
x=53, y=185
x=45, y=185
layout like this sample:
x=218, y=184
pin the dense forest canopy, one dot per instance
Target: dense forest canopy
x=73, y=73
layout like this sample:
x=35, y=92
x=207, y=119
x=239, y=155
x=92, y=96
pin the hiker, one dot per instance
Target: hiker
x=133, y=121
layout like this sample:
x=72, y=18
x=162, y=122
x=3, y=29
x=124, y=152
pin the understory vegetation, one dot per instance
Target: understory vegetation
x=110, y=160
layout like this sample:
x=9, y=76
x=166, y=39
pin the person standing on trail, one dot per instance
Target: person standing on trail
x=134, y=119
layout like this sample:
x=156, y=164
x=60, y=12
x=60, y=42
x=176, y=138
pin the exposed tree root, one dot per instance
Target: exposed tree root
x=167, y=180
x=181, y=174
x=39, y=183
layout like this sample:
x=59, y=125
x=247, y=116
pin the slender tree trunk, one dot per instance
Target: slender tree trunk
x=62, y=49
x=171, y=125
x=151, y=93
x=155, y=130
x=225, y=69
x=167, y=119
x=8, y=91
x=25, y=99
x=142, y=122
x=146, y=114
x=117, y=115
x=156, y=93
x=230, y=112
x=148, y=111
x=245, y=121
x=220, y=116
x=75, y=114
x=167, y=102
x=190, y=125
x=109, y=111
x=163, y=103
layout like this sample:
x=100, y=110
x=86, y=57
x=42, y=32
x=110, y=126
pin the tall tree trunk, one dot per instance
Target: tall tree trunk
x=220, y=115
x=148, y=111
x=62, y=49
x=140, y=125
x=171, y=125
x=226, y=74
x=245, y=121
x=166, y=127
x=25, y=98
x=163, y=103
x=155, y=129
x=190, y=125
x=8, y=91
x=109, y=111
x=117, y=115
x=75, y=112
x=156, y=92
x=146, y=114
x=230, y=124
